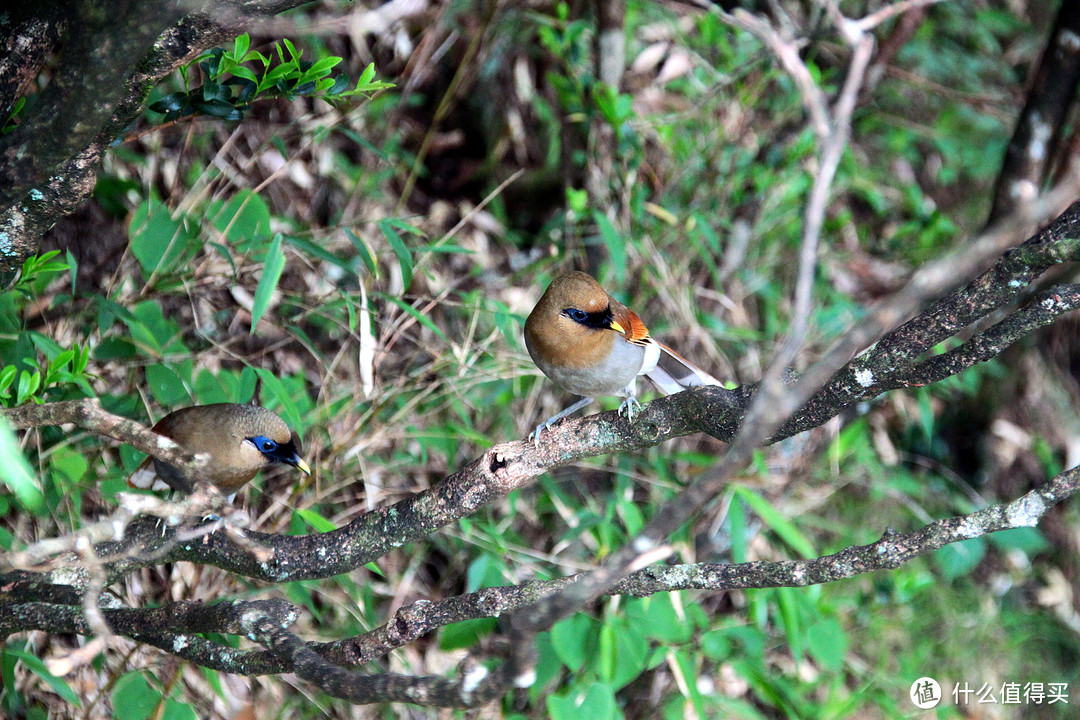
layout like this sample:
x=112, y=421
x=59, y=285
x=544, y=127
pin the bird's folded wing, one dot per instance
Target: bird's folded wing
x=674, y=373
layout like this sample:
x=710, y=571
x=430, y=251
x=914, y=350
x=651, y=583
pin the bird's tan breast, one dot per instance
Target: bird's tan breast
x=602, y=366
x=567, y=344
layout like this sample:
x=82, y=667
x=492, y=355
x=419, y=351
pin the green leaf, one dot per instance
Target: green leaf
x=173, y=103
x=484, y=571
x=245, y=217
x=790, y=619
x=158, y=241
x=777, y=521
x=69, y=464
x=215, y=92
x=1028, y=540
x=15, y=472
x=631, y=653
x=240, y=46
x=175, y=710
x=133, y=698
x=365, y=77
x=280, y=393
x=403, y=255
x=828, y=643
x=338, y=85
x=315, y=520
x=615, y=245
x=366, y=83
x=7, y=376
x=363, y=252
x=321, y=67
x=275, y=263
x=658, y=619
x=49, y=347
x=294, y=54
x=274, y=75
x=960, y=558
x=715, y=645
x=572, y=639
x=221, y=109
x=598, y=703
x=465, y=634
x=309, y=248
x=248, y=90
x=29, y=382
x=165, y=385
x=35, y=665
x=420, y=317
x=151, y=331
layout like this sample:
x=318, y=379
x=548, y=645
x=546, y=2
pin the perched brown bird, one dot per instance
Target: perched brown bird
x=591, y=344
x=240, y=439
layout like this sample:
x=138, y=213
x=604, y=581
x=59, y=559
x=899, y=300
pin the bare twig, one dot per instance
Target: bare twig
x=89, y=415
x=787, y=52
x=877, y=17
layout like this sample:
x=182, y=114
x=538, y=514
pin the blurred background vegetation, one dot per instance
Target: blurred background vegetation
x=364, y=266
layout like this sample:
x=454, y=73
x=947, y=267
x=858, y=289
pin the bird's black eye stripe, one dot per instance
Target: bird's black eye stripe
x=599, y=320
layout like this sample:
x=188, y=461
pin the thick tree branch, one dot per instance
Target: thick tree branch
x=897, y=351
x=269, y=619
x=478, y=686
x=891, y=551
x=112, y=56
x=172, y=628
x=1039, y=312
x=1034, y=144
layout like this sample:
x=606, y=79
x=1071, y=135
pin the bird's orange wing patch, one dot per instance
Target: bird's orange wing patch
x=634, y=329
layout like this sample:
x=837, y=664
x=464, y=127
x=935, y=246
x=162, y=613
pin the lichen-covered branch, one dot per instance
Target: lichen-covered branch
x=1037, y=137
x=324, y=664
x=111, y=56
x=899, y=350
x=1042, y=310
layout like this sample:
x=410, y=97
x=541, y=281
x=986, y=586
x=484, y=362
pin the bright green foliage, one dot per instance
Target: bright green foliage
x=37, y=368
x=231, y=86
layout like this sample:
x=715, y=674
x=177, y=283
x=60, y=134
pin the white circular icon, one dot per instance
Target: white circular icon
x=925, y=693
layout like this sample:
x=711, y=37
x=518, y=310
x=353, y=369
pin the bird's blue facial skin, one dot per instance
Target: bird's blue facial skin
x=264, y=444
x=576, y=315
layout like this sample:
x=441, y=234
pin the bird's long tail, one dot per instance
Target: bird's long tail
x=146, y=477
x=674, y=373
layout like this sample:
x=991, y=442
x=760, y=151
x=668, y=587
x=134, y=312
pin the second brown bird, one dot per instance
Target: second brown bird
x=240, y=439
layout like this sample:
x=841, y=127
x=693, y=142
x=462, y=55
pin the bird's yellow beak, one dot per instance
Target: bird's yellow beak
x=302, y=466
x=616, y=327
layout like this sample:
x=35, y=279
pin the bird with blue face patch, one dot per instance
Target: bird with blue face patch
x=241, y=440
x=591, y=344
